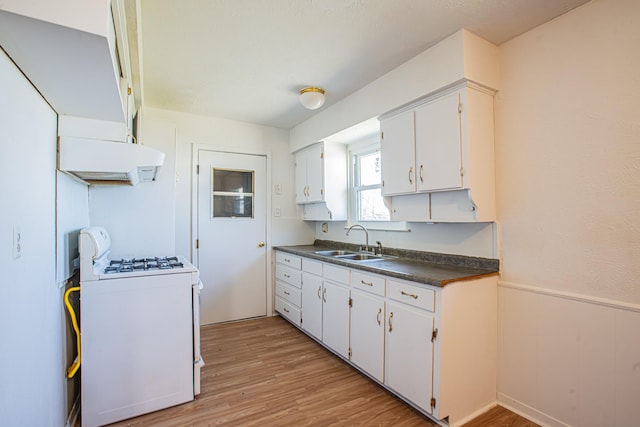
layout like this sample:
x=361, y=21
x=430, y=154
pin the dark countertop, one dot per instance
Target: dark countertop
x=422, y=267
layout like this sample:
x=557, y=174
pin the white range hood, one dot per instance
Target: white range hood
x=97, y=161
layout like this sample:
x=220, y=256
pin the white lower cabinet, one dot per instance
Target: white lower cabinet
x=287, y=287
x=409, y=354
x=335, y=317
x=312, y=304
x=325, y=304
x=435, y=347
x=367, y=333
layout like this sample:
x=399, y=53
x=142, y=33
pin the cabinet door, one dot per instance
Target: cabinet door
x=335, y=318
x=397, y=148
x=438, y=144
x=315, y=173
x=301, y=176
x=409, y=354
x=312, y=304
x=367, y=333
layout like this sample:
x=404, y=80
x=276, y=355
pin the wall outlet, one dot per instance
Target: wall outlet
x=325, y=227
x=277, y=212
x=17, y=243
x=277, y=189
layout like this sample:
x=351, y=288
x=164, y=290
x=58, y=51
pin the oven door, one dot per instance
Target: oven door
x=198, y=361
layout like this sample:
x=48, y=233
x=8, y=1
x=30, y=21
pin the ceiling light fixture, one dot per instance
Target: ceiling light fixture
x=312, y=97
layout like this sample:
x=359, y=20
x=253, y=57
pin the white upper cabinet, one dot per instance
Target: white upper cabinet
x=321, y=181
x=438, y=157
x=310, y=174
x=397, y=149
x=438, y=144
x=68, y=50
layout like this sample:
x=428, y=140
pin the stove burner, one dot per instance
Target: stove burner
x=142, y=264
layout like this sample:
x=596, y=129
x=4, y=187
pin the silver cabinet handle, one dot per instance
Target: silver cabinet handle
x=421, y=169
x=285, y=309
x=324, y=295
x=366, y=283
x=411, y=175
x=286, y=275
x=286, y=293
x=414, y=296
x=378, y=316
x=390, y=324
x=319, y=288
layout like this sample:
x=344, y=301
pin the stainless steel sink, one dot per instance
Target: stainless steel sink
x=360, y=257
x=334, y=253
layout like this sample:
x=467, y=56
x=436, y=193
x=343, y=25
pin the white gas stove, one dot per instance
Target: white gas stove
x=140, y=331
x=95, y=264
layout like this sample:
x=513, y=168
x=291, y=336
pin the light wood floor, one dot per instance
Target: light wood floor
x=265, y=372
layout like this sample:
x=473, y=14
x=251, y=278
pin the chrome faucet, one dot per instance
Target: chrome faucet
x=366, y=232
x=378, y=250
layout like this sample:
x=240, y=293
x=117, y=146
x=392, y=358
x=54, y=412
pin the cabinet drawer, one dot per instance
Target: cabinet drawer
x=416, y=296
x=288, y=259
x=289, y=293
x=288, y=275
x=368, y=282
x=336, y=274
x=311, y=266
x=288, y=310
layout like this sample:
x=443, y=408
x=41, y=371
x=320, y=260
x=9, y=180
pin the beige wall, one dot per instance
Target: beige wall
x=568, y=174
x=568, y=153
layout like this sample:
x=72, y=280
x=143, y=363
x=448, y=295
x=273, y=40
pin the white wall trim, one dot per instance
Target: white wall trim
x=571, y=296
x=528, y=412
x=474, y=414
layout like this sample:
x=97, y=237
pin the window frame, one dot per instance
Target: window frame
x=354, y=150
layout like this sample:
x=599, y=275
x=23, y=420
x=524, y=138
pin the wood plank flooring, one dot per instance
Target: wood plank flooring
x=265, y=372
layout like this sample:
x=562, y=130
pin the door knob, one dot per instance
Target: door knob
x=261, y=244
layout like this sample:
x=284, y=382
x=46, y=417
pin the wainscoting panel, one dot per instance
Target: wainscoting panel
x=567, y=359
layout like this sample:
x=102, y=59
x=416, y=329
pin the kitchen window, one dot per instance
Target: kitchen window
x=367, y=199
x=366, y=202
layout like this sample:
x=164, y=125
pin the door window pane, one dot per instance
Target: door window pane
x=233, y=193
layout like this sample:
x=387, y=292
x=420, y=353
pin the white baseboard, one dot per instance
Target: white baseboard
x=528, y=412
x=475, y=414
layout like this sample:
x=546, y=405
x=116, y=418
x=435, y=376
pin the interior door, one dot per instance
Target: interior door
x=231, y=251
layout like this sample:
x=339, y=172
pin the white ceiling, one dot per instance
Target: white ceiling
x=247, y=59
